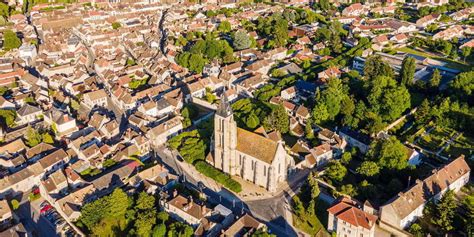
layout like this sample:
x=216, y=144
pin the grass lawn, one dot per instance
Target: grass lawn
x=313, y=224
x=451, y=63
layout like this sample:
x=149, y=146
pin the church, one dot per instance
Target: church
x=249, y=155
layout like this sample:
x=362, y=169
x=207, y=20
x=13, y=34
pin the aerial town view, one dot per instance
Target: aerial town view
x=236, y=118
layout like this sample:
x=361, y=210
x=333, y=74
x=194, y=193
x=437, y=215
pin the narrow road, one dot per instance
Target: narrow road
x=275, y=211
x=162, y=30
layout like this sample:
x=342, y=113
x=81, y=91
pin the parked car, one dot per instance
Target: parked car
x=43, y=204
x=46, y=208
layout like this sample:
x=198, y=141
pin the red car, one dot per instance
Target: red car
x=45, y=208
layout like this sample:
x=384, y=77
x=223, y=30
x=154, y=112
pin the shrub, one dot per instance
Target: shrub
x=218, y=176
x=15, y=204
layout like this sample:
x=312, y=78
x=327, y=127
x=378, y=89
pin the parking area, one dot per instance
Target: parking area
x=56, y=221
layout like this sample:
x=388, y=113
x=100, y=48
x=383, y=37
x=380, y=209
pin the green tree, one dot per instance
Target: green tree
x=7, y=117
x=389, y=153
x=332, y=97
x=324, y=5
x=375, y=67
x=47, y=138
x=444, y=211
x=347, y=110
x=435, y=80
x=145, y=221
x=119, y=203
x=145, y=201
x=314, y=185
x=116, y=25
x=33, y=137
x=320, y=113
x=336, y=171
x=15, y=204
x=466, y=51
x=387, y=98
x=463, y=85
x=163, y=216
x=11, y=40
x=159, y=230
x=346, y=158
x=224, y=26
x=252, y=121
x=309, y=129
x=4, y=10
x=281, y=32
x=468, y=204
x=181, y=41
x=196, y=63
x=416, y=230
x=349, y=189
x=407, y=72
x=422, y=114
x=298, y=206
x=368, y=168
x=278, y=119
x=241, y=40
x=432, y=28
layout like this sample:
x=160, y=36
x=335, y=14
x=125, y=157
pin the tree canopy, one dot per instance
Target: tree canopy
x=11, y=40
x=407, y=72
x=277, y=119
x=336, y=171
x=388, y=153
x=241, y=40
x=375, y=67
x=444, y=211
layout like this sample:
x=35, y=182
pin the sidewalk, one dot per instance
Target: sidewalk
x=252, y=192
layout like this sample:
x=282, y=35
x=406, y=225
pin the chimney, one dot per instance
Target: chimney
x=65, y=117
x=409, y=179
x=175, y=193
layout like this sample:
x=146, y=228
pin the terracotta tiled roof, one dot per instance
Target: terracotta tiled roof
x=347, y=211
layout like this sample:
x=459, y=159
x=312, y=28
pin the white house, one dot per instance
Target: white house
x=407, y=206
x=345, y=218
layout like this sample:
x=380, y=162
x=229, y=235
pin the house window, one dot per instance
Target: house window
x=264, y=171
x=279, y=168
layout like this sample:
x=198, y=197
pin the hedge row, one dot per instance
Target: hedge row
x=218, y=176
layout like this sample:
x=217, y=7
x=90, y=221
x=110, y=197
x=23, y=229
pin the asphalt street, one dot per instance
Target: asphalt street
x=272, y=211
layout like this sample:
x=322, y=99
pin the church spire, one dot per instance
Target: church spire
x=224, y=109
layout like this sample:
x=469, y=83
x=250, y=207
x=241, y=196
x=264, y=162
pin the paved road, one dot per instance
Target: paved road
x=274, y=211
x=33, y=221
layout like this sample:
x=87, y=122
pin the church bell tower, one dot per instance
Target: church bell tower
x=225, y=138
